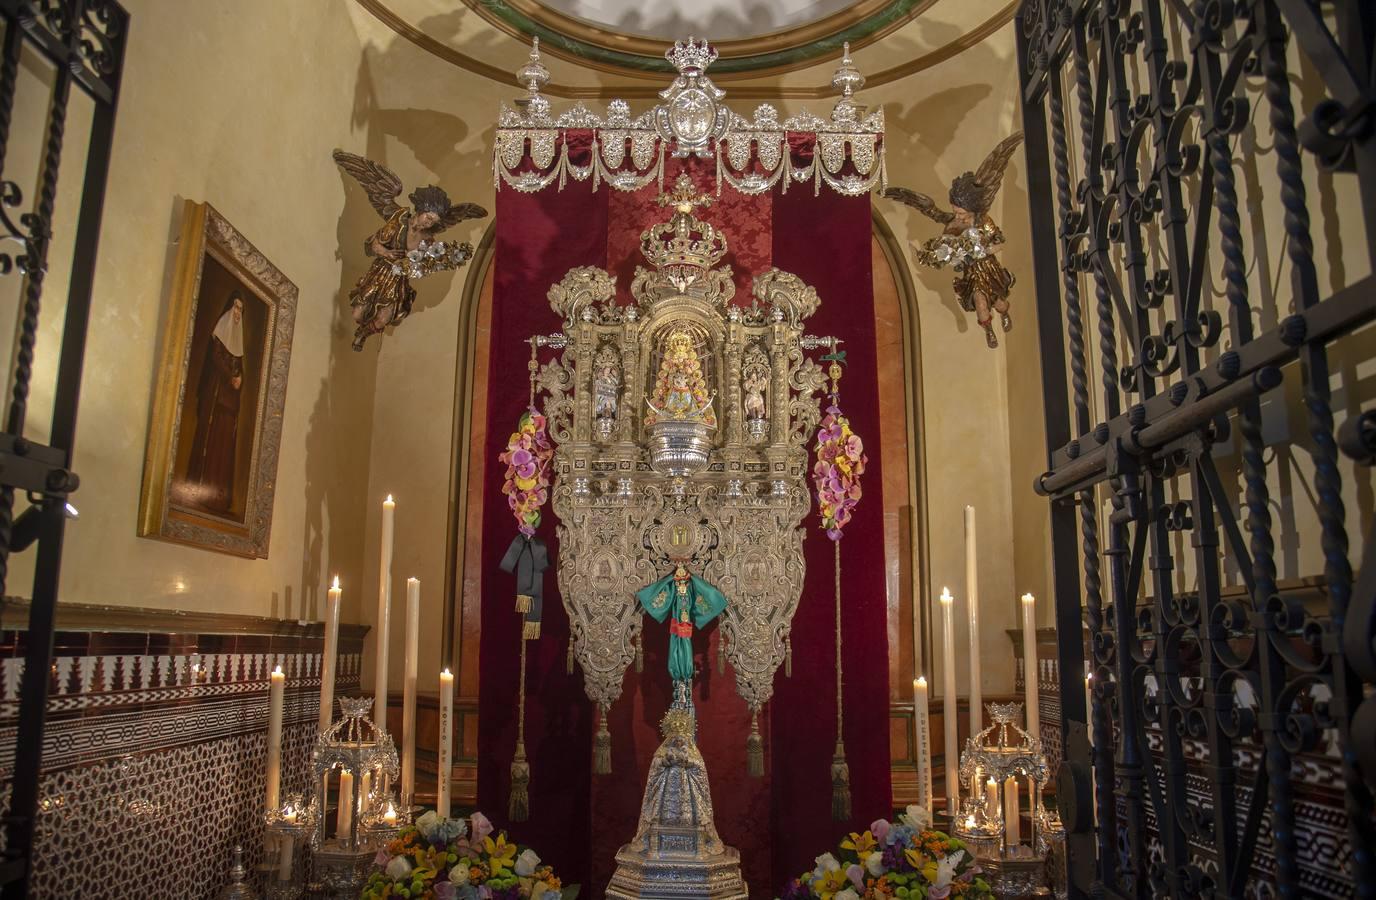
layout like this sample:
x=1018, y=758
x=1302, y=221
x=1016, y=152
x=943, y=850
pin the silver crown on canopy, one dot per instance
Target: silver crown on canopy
x=690, y=57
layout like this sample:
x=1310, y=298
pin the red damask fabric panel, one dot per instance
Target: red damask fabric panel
x=825, y=240
x=539, y=237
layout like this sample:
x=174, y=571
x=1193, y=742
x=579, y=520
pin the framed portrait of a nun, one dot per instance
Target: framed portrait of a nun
x=216, y=424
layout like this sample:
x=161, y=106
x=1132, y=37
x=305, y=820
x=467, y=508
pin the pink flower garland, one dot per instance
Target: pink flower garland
x=527, y=457
x=840, y=463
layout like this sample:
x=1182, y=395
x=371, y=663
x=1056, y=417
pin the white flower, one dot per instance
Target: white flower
x=825, y=863
x=414, y=255
x=396, y=269
x=946, y=869
x=977, y=251
x=459, y=874
x=916, y=817
x=526, y=863
x=847, y=894
x=874, y=864
x=399, y=868
x=943, y=252
x=972, y=234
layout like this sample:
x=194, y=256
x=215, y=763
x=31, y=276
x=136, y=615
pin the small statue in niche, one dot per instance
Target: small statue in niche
x=606, y=390
x=404, y=247
x=755, y=385
x=971, y=241
x=680, y=390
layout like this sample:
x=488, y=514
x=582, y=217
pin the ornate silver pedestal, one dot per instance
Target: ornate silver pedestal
x=679, y=447
x=676, y=852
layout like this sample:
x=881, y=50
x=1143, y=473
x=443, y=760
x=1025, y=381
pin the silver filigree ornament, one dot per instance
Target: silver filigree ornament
x=692, y=116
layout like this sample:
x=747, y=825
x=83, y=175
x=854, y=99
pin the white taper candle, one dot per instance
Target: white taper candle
x=384, y=615
x=276, y=685
x=346, y=806
x=408, y=693
x=446, y=741
x=972, y=603
x=949, y=709
x=1030, y=664
x=922, y=717
x=1012, y=813
x=329, y=655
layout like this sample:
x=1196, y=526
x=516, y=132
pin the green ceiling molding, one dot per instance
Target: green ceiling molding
x=892, y=14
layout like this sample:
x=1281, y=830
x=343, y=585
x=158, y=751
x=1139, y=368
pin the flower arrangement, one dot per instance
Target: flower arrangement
x=840, y=463
x=527, y=457
x=906, y=859
x=958, y=250
x=432, y=256
x=455, y=859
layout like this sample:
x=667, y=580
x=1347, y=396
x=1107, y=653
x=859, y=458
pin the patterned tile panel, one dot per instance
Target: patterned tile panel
x=154, y=763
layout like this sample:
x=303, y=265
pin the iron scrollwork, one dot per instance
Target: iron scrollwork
x=1208, y=699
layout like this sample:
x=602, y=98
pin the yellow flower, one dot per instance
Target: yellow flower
x=863, y=845
x=502, y=854
x=830, y=883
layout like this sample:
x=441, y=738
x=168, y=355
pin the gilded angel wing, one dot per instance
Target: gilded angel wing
x=920, y=202
x=380, y=183
x=459, y=212
x=989, y=176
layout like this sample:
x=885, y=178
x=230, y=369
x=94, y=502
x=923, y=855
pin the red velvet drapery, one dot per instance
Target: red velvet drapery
x=779, y=822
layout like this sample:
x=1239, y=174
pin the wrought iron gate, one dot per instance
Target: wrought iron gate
x=76, y=44
x=1165, y=154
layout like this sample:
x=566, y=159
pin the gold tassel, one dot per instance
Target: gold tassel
x=518, y=808
x=721, y=655
x=568, y=660
x=788, y=660
x=602, y=746
x=531, y=632
x=523, y=603
x=840, y=785
x=639, y=655
x=754, y=749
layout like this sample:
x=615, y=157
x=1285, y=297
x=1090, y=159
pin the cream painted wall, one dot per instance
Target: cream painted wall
x=225, y=102
x=941, y=122
x=431, y=123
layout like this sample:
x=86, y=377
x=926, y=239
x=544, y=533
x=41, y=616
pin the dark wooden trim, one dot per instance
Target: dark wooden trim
x=14, y=616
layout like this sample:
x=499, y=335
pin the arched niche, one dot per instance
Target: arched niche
x=901, y=443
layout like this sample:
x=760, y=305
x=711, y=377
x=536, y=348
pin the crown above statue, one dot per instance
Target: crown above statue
x=684, y=241
x=691, y=57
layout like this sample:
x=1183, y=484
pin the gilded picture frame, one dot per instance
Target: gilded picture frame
x=215, y=430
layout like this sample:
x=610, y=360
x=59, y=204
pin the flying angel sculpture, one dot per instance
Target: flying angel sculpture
x=971, y=241
x=404, y=247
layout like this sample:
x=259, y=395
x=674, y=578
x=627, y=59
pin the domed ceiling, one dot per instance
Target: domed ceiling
x=769, y=49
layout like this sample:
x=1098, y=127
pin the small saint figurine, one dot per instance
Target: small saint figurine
x=404, y=247
x=606, y=389
x=686, y=601
x=971, y=241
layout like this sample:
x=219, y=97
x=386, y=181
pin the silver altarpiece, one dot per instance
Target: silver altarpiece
x=681, y=425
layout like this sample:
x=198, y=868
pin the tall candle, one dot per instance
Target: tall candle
x=346, y=806
x=446, y=739
x=287, y=849
x=972, y=601
x=365, y=792
x=1030, y=664
x=949, y=711
x=922, y=719
x=1089, y=718
x=276, y=684
x=991, y=797
x=384, y=615
x=1012, y=813
x=408, y=693
x=327, y=659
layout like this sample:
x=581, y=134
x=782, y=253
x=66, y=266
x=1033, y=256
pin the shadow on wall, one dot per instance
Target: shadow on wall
x=929, y=126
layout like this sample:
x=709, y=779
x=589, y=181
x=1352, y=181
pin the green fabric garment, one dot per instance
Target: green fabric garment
x=687, y=603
